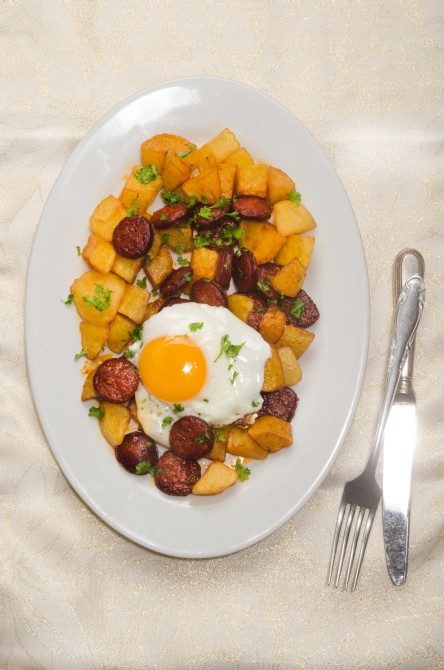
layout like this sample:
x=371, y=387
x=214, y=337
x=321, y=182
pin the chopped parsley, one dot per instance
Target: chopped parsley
x=295, y=197
x=148, y=259
x=200, y=439
x=78, y=251
x=171, y=198
x=183, y=262
x=146, y=174
x=132, y=209
x=196, y=326
x=80, y=355
x=155, y=293
x=263, y=285
x=164, y=239
x=297, y=308
x=205, y=212
x=96, y=412
x=255, y=403
x=136, y=334
x=167, y=421
x=129, y=353
x=184, y=154
x=163, y=217
x=220, y=436
x=242, y=472
x=188, y=276
x=177, y=408
x=192, y=201
x=141, y=283
x=235, y=374
x=205, y=400
x=101, y=300
x=69, y=299
x=178, y=248
x=145, y=467
x=230, y=350
x=202, y=240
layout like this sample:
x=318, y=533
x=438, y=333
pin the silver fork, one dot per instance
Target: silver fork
x=364, y=493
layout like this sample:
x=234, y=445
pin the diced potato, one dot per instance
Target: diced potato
x=221, y=146
x=298, y=339
x=106, y=290
x=99, y=254
x=290, y=366
x=93, y=337
x=134, y=303
x=272, y=324
x=180, y=238
x=240, y=158
x=160, y=267
x=240, y=305
x=203, y=263
x=152, y=157
x=114, y=423
x=205, y=186
x=290, y=278
x=273, y=373
x=262, y=239
x=108, y=213
x=174, y=172
x=165, y=142
x=241, y=444
x=88, y=390
x=227, y=178
x=271, y=433
x=135, y=189
x=119, y=333
x=153, y=308
x=291, y=218
x=252, y=180
x=296, y=246
x=197, y=161
x=127, y=268
x=279, y=185
x=218, y=451
x=216, y=479
x=155, y=247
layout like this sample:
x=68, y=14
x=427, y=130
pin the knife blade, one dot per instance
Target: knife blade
x=399, y=445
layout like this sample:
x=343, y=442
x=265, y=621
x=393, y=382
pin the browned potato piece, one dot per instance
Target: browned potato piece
x=165, y=142
x=174, y=172
x=119, y=333
x=155, y=247
x=197, y=161
x=99, y=254
x=114, y=423
x=216, y=479
x=279, y=185
x=291, y=218
x=152, y=157
x=108, y=213
x=272, y=324
x=160, y=267
x=136, y=188
x=240, y=158
x=273, y=373
x=240, y=305
x=153, y=308
x=97, y=296
x=218, y=451
x=298, y=339
x=204, y=263
x=252, y=180
x=227, y=178
x=127, y=268
x=290, y=278
x=88, y=390
x=271, y=433
x=240, y=443
x=93, y=337
x=221, y=146
x=262, y=239
x=290, y=366
x=180, y=238
x=205, y=186
x=134, y=303
x=296, y=246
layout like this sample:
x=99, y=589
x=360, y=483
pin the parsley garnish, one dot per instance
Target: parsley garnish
x=132, y=209
x=148, y=259
x=167, y=421
x=196, y=326
x=96, y=412
x=188, y=276
x=171, y=198
x=141, y=283
x=230, y=350
x=145, y=467
x=101, y=300
x=80, y=355
x=177, y=408
x=129, y=353
x=295, y=197
x=136, y=334
x=242, y=472
x=155, y=293
x=205, y=400
x=298, y=308
x=163, y=217
x=69, y=299
x=192, y=201
x=183, y=262
x=255, y=403
x=78, y=251
x=164, y=239
x=202, y=240
x=200, y=439
x=146, y=174
x=184, y=154
x=263, y=285
x=178, y=248
x=235, y=374
x=205, y=212
x=220, y=436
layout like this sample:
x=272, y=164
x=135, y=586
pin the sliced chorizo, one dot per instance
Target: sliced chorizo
x=206, y=217
x=176, y=282
x=137, y=452
x=116, y=380
x=252, y=207
x=281, y=404
x=133, y=236
x=170, y=215
x=245, y=271
x=209, y=293
x=191, y=437
x=223, y=271
x=176, y=476
x=257, y=313
x=265, y=274
x=301, y=315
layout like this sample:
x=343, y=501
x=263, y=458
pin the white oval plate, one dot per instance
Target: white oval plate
x=333, y=368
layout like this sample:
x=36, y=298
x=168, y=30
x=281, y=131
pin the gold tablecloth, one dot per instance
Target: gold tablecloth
x=366, y=79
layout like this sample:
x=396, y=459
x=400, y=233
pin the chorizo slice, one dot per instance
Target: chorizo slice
x=245, y=271
x=206, y=217
x=116, y=380
x=191, y=437
x=209, y=292
x=300, y=311
x=170, y=215
x=133, y=236
x=176, y=476
x=281, y=404
x=137, y=452
x=176, y=282
x=252, y=207
x=257, y=313
x=265, y=273
x=224, y=264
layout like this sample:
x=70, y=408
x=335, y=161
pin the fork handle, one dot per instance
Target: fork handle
x=406, y=319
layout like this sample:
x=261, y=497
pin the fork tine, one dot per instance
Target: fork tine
x=368, y=527
x=334, y=547
x=354, y=544
x=351, y=514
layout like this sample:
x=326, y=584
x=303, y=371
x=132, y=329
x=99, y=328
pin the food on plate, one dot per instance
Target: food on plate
x=195, y=283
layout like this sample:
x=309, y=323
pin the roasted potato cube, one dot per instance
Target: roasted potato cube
x=291, y=218
x=141, y=187
x=152, y=157
x=218, y=451
x=97, y=296
x=241, y=444
x=153, y=307
x=240, y=158
x=204, y=263
x=180, y=238
x=296, y=246
x=99, y=254
x=271, y=433
x=159, y=267
x=262, y=239
x=290, y=278
x=165, y=142
x=119, y=333
x=290, y=366
x=240, y=305
x=108, y=213
x=205, y=186
x=279, y=185
x=114, y=423
x=227, y=178
x=252, y=180
x=273, y=373
x=272, y=324
x=93, y=337
x=127, y=268
x=174, y=172
x=298, y=339
x=216, y=479
x=221, y=146
x=134, y=303
x=155, y=248
x=88, y=390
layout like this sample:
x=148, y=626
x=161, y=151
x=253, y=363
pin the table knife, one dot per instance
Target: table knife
x=399, y=444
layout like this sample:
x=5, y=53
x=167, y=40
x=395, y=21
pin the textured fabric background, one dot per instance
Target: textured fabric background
x=366, y=79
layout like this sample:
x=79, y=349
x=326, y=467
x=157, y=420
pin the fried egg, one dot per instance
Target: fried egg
x=194, y=359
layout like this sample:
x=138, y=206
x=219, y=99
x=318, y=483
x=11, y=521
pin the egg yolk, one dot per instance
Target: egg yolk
x=173, y=369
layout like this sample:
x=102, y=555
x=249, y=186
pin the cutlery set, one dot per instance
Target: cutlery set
x=396, y=432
